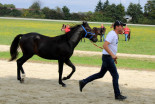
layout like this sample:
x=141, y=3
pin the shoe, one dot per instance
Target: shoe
x=81, y=84
x=120, y=97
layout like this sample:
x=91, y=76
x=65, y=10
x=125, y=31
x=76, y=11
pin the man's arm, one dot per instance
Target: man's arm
x=105, y=46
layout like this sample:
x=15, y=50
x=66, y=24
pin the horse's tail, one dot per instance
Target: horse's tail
x=14, y=47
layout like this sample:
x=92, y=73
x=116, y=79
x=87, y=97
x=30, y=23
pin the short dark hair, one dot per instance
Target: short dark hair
x=118, y=23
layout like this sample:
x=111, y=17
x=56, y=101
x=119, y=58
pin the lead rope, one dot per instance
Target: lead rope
x=96, y=45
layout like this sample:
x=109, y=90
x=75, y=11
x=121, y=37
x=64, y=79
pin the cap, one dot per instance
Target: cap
x=117, y=23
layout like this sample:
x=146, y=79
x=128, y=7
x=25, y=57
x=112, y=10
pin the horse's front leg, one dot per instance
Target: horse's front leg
x=60, y=73
x=69, y=63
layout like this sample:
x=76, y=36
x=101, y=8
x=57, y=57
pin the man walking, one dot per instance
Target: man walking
x=109, y=59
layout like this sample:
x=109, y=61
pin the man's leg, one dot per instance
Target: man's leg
x=115, y=76
x=102, y=72
x=113, y=71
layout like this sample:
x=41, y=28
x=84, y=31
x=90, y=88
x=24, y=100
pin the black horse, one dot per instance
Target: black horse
x=58, y=48
x=100, y=32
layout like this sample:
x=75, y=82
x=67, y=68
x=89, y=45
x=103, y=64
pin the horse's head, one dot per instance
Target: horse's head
x=88, y=32
x=99, y=31
x=96, y=30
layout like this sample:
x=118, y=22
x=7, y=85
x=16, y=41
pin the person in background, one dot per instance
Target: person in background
x=109, y=59
x=102, y=27
x=63, y=27
x=126, y=32
x=67, y=29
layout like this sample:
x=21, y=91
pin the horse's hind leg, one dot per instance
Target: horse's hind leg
x=20, y=62
x=69, y=63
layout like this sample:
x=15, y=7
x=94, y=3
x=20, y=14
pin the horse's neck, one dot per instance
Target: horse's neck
x=75, y=37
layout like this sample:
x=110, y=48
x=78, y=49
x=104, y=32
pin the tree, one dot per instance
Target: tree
x=66, y=12
x=110, y=13
x=35, y=6
x=4, y=11
x=59, y=10
x=99, y=6
x=149, y=9
x=25, y=13
x=120, y=12
x=35, y=10
x=46, y=12
x=59, y=13
x=134, y=10
x=97, y=16
x=105, y=5
x=75, y=16
x=9, y=5
x=1, y=5
x=149, y=13
x=15, y=13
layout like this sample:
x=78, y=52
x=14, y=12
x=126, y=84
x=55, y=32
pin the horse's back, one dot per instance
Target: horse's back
x=28, y=41
x=44, y=46
x=31, y=35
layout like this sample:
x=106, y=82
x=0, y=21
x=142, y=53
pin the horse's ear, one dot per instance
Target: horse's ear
x=94, y=28
x=85, y=23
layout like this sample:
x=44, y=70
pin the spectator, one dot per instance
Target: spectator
x=126, y=32
x=67, y=29
x=102, y=28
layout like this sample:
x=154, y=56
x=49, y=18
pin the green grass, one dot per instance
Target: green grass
x=142, y=42
x=127, y=63
x=142, y=37
x=10, y=28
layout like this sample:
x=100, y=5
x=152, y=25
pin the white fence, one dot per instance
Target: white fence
x=68, y=21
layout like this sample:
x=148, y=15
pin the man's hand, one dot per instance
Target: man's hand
x=115, y=59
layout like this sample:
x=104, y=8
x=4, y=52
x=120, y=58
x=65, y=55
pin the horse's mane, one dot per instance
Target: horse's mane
x=67, y=36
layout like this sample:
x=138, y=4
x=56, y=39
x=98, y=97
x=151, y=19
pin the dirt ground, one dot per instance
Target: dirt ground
x=41, y=86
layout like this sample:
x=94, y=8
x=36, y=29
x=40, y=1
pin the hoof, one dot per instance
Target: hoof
x=22, y=80
x=65, y=78
x=81, y=84
x=64, y=85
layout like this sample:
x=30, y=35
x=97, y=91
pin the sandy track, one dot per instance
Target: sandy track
x=4, y=48
x=41, y=86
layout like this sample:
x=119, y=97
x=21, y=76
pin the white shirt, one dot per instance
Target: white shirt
x=112, y=38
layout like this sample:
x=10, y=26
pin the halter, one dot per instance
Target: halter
x=88, y=32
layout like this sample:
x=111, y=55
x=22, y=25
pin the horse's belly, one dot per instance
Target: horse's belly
x=55, y=52
x=48, y=56
x=55, y=56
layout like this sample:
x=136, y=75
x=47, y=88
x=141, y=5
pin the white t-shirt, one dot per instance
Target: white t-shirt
x=112, y=38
